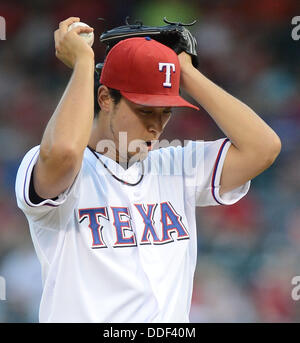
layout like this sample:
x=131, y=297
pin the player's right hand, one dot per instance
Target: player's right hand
x=69, y=46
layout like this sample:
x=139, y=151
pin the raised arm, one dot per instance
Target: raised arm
x=67, y=133
x=255, y=145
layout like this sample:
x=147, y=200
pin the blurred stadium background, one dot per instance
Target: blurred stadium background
x=249, y=252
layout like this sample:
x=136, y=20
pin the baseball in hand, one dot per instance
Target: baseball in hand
x=88, y=37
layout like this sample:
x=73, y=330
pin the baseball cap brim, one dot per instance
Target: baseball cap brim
x=158, y=100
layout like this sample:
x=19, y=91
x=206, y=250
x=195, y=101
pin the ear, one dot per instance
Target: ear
x=104, y=98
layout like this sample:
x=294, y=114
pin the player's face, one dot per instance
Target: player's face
x=142, y=124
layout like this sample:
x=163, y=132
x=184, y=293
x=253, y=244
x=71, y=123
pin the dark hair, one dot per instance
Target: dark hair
x=115, y=94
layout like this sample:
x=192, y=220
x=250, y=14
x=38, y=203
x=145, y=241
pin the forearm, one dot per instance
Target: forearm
x=70, y=126
x=246, y=130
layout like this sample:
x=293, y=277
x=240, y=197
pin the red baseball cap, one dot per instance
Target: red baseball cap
x=145, y=72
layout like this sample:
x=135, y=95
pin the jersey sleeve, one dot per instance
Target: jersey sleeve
x=50, y=213
x=203, y=173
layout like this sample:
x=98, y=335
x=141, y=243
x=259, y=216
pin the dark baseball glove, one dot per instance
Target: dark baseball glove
x=174, y=35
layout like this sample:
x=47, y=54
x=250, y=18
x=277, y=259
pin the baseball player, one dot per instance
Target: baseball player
x=115, y=229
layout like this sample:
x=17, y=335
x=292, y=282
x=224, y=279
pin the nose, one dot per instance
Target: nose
x=155, y=126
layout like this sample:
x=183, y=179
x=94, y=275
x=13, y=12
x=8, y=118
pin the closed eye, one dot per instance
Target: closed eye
x=146, y=112
x=149, y=111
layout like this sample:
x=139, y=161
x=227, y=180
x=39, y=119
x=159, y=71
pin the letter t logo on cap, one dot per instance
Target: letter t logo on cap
x=168, y=66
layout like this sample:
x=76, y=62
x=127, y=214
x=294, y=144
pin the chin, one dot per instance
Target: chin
x=137, y=156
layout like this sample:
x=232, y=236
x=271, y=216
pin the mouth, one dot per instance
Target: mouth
x=149, y=145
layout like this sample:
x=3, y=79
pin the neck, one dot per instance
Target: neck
x=104, y=142
x=106, y=145
x=96, y=135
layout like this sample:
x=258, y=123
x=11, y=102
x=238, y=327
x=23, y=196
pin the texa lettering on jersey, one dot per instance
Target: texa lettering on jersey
x=170, y=223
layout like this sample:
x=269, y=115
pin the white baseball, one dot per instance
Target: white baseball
x=89, y=37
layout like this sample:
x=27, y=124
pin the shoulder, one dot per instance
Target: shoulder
x=179, y=149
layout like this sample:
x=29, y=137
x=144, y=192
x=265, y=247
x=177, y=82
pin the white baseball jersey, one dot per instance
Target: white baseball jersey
x=111, y=252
